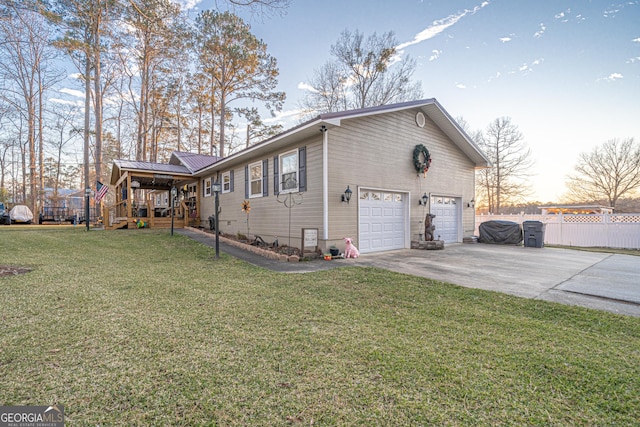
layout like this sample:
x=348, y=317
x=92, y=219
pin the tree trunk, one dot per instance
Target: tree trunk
x=87, y=123
x=41, y=193
x=223, y=113
x=97, y=64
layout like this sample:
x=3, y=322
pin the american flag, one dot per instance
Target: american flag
x=101, y=191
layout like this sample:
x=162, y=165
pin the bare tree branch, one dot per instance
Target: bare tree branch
x=609, y=172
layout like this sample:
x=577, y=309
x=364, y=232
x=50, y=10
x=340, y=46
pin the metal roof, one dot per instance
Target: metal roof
x=151, y=167
x=193, y=162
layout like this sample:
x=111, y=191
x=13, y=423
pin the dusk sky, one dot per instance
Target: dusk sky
x=566, y=72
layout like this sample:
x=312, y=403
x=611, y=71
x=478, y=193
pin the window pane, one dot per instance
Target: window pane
x=256, y=187
x=289, y=163
x=256, y=172
x=226, y=182
x=289, y=181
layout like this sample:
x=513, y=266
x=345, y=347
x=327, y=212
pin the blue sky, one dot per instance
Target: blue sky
x=566, y=72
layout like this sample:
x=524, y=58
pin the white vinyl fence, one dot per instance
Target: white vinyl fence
x=590, y=230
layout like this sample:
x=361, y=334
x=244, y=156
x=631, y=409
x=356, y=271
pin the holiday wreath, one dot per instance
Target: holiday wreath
x=420, y=153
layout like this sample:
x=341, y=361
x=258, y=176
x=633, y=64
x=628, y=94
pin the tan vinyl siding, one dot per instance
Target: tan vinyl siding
x=377, y=152
x=268, y=217
x=374, y=151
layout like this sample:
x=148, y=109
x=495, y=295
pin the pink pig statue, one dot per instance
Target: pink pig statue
x=350, y=251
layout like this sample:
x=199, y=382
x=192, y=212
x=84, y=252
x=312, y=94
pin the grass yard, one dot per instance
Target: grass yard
x=138, y=328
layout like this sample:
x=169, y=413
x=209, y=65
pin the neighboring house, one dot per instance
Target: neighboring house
x=297, y=180
x=368, y=151
x=576, y=209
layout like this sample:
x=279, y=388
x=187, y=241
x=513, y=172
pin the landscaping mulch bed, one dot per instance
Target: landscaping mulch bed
x=280, y=249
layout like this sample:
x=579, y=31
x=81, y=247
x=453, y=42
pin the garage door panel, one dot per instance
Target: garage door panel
x=447, y=220
x=382, y=221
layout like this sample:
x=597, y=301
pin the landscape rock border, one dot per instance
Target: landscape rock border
x=254, y=249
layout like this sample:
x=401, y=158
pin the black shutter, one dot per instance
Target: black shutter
x=276, y=177
x=265, y=178
x=302, y=169
x=246, y=182
x=231, y=180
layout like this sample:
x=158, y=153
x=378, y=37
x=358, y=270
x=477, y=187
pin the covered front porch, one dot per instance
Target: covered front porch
x=143, y=196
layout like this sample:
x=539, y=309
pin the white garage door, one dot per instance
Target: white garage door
x=447, y=220
x=382, y=220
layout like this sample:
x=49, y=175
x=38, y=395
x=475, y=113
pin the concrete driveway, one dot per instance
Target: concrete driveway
x=596, y=280
x=602, y=281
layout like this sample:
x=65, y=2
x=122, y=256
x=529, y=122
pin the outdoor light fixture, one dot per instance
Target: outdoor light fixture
x=174, y=193
x=216, y=187
x=471, y=204
x=347, y=195
x=323, y=128
x=423, y=200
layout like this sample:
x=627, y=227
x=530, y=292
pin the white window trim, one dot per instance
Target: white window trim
x=251, y=166
x=207, y=187
x=227, y=175
x=280, y=184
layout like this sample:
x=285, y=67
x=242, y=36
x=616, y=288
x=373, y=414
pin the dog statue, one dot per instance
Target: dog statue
x=429, y=227
x=350, y=251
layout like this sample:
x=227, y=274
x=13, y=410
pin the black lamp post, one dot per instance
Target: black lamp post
x=216, y=187
x=174, y=193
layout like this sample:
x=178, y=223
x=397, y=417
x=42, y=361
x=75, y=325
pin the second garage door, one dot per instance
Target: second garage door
x=382, y=220
x=447, y=220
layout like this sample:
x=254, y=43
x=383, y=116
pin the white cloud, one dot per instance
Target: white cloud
x=307, y=87
x=527, y=68
x=613, y=77
x=461, y=86
x=633, y=60
x=610, y=13
x=637, y=40
x=438, y=26
x=283, y=117
x=540, y=32
x=505, y=39
x=562, y=16
x=187, y=4
x=497, y=76
x=72, y=92
x=435, y=54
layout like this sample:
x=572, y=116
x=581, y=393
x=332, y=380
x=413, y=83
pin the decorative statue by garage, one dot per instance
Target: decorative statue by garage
x=429, y=227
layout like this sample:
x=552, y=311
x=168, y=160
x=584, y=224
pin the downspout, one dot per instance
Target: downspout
x=325, y=182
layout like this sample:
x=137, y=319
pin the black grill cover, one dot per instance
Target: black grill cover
x=500, y=232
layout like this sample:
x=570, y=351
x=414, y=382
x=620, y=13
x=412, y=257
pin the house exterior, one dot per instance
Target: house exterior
x=297, y=180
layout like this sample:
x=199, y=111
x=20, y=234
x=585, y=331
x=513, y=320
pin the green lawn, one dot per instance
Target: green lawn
x=139, y=328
